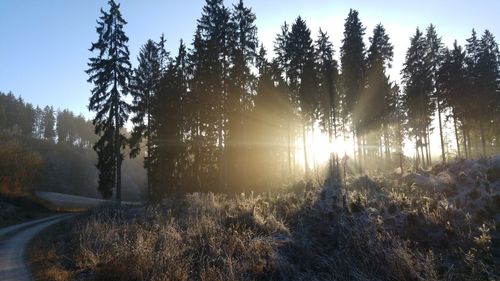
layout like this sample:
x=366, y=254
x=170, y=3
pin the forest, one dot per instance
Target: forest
x=47, y=150
x=224, y=116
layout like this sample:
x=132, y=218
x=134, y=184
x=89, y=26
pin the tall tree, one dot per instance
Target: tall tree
x=353, y=69
x=377, y=97
x=110, y=72
x=302, y=78
x=243, y=44
x=49, y=122
x=433, y=60
x=328, y=96
x=417, y=87
x=144, y=87
x=167, y=146
x=487, y=87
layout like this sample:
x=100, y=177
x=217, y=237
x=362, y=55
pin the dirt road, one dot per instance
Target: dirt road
x=13, y=243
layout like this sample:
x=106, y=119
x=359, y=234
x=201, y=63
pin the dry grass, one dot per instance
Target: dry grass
x=390, y=231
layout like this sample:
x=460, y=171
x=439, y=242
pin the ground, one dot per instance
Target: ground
x=439, y=224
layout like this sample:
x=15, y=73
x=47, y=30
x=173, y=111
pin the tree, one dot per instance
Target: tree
x=110, y=72
x=487, y=86
x=377, y=97
x=49, y=122
x=243, y=44
x=353, y=69
x=451, y=85
x=302, y=78
x=145, y=85
x=417, y=87
x=167, y=145
x=433, y=60
x=328, y=96
x=211, y=78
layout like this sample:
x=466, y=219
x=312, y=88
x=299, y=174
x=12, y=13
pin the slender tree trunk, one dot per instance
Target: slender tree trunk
x=148, y=159
x=464, y=132
x=289, y=152
x=118, y=157
x=443, y=155
x=469, y=143
x=304, y=143
x=456, y=135
x=483, y=140
x=424, y=164
x=428, y=148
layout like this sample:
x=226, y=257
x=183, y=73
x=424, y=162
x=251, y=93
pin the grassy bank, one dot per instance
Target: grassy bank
x=410, y=227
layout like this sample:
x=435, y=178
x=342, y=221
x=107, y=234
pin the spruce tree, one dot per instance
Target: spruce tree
x=378, y=95
x=417, y=100
x=243, y=44
x=49, y=122
x=110, y=71
x=328, y=96
x=302, y=78
x=488, y=78
x=433, y=60
x=145, y=85
x=353, y=69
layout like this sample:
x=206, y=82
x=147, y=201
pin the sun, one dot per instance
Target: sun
x=319, y=148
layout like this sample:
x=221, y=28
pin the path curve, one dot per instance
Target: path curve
x=14, y=241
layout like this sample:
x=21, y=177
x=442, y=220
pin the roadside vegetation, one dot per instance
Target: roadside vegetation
x=431, y=225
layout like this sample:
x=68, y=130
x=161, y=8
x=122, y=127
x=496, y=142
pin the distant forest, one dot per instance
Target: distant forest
x=42, y=149
x=222, y=116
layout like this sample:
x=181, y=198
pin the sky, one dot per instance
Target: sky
x=44, y=44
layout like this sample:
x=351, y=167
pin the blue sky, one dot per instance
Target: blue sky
x=44, y=44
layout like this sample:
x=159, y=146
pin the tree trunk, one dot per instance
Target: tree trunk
x=428, y=148
x=483, y=140
x=443, y=155
x=304, y=143
x=289, y=153
x=456, y=135
x=118, y=160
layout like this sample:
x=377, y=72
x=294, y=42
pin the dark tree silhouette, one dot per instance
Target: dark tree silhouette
x=353, y=69
x=145, y=84
x=110, y=72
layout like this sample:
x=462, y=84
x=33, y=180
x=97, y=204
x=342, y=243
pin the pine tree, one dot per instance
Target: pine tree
x=417, y=87
x=328, y=96
x=378, y=94
x=49, y=122
x=110, y=72
x=282, y=65
x=488, y=78
x=451, y=85
x=433, y=60
x=213, y=76
x=243, y=44
x=145, y=85
x=353, y=69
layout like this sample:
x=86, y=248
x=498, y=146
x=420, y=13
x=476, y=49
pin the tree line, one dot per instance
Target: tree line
x=47, y=150
x=221, y=116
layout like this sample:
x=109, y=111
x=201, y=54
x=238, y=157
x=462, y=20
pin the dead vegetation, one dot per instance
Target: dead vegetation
x=415, y=227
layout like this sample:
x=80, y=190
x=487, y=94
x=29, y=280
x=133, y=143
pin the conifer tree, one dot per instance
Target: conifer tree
x=417, y=101
x=433, y=60
x=302, y=78
x=145, y=85
x=328, y=96
x=378, y=95
x=49, y=122
x=110, y=71
x=243, y=44
x=353, y=69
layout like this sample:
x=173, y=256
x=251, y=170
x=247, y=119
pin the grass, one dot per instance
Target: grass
x=390, y=230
